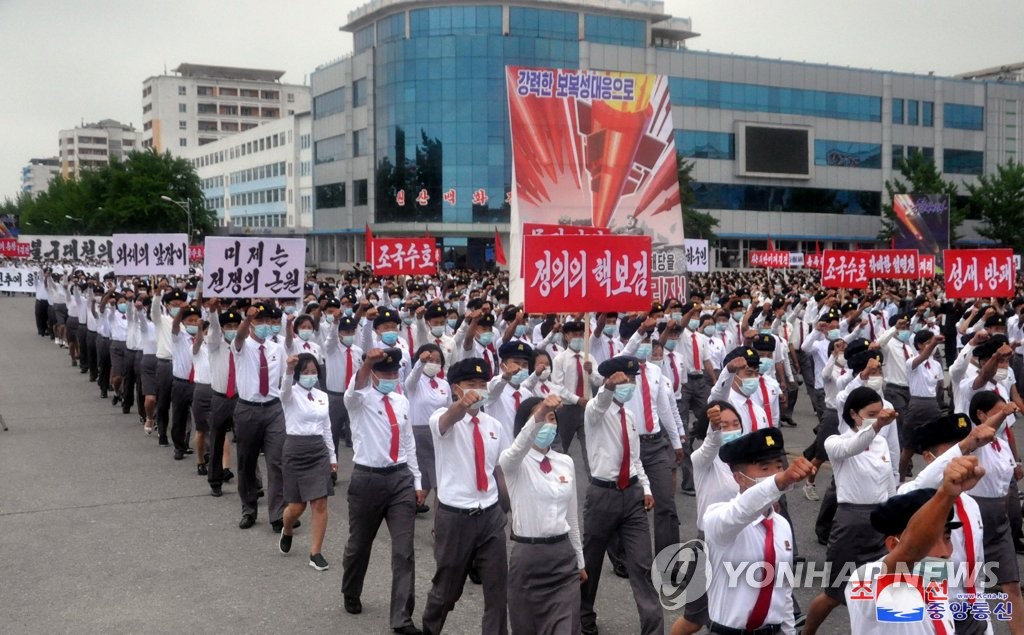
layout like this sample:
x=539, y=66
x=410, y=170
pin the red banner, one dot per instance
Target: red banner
x=587, y=273
x=541, y=229
x=979, y=273
x=926, y=266
x=8, y=247
x=408, y=256
x=813, y=261
x=196, y=253
x=845, y=269
x=892, y=264
x=24, y=251
x=769, y=259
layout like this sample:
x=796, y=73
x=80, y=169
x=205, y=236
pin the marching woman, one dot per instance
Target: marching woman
x=861, y=461
x=308, y=458
x=546, y=566
x=426, y=393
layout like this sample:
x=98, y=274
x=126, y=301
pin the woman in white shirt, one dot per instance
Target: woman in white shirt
x=924, y=373
x=546, y=565
x=426, y=393
x=309, y=457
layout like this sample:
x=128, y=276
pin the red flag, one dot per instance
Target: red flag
x=771, y=245
x=817, y=249
x=499, y=251
x=892, y=243
x=369, y=243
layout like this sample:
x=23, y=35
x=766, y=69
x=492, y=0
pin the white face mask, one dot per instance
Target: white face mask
x=545, y=374
x=841, y=360
x=874, y=383
x=431, y=369
x=1001, y=374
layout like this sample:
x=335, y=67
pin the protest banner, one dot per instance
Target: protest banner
x=926, y=266
x=587, y=273
x=408, y=256
x=17, y=279
x=697, y=255
x=978, y=273
x=196, y=253
x=8, y=248
x=254, y=267
x=150, y=254
x=543, y=229
x=844, y=269
x=893, y=264
x=72, y=248
x=769, y=259
x=813, y=261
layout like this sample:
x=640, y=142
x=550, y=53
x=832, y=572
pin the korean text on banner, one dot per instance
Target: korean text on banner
x=812, y=261
x=73, y=248
x=408, y=256
x=587, y=273
x=979, y=273
x=17, y=280
x=8, y=247
x=150, y=254
x=893, y=264
x=926, y=266
x=844, y=269
x=196, y=253
x=696, y=255
x=543, y=229
x=254, y=267
x=769, y=259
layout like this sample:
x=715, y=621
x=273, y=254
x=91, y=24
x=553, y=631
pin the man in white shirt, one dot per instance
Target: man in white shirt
x=184, y=329
x=224, y=386
x=506, y=391
x=166, y=305
x=572, y=370
x=342, y=358
x=432, y=328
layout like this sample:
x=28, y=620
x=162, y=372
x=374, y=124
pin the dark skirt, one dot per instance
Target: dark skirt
x=853, y=540
x=998, y=539
x=544, y=589
x=149, y=383
x=306, y=469
x=920, y=410
x=425, y=456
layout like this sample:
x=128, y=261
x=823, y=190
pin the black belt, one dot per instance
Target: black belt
x=161, y=360
x=547, y=540
x=260, y=404
x=654, y=436
x=767, y=629
x=379, y=470
x=335, y=394
x=224, y=395
x=475, y=511
x=181, y=380
x=610, y=484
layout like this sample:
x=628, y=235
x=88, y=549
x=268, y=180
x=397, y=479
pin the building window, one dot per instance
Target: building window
x=206, y=109
x=529, y=22
x=360, y=192
x=182, y=125
x=391, y=28
x=330, y=195
x=912, y=114
x=305, y=141
x=272, y=95
x=182, y=90
x=964, y=117
x=329, y=103
x=359, y=143
x=698, y=144
x=147, y=108
x=204, y=90
x=183, y=142
x=928, y=114
x=359, y=93
x=227, y=92
x=963, y=161
x=329, y=149
x=250, y=92
x=181, y=108
x=455, y=21
x=897, y=111
x=291, y=98
x=605, y=29
x=774, y=198
x=704, y=93
x=363, y=39
x=847, y=154
x=229, y=126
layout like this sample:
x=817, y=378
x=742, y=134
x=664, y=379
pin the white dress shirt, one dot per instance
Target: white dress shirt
x=162, y=321
x=308, y=417
x=661, y=406
x=603, y=424
x=247, y=369
x=897, y=356
x=201, y=364
x=336, y=356
x=425, y=395
x=712, y=479
x=672, y=370
x=502, y=402
x=371, y=429
x=924, y=377
x=890, y=431
x=723, y=391
x=455, y=459
x=181, y=353
x=563, y=373
x=118, y=324
x=861, y=464
x=299, y=347
x=544, y=505
x=218, y=352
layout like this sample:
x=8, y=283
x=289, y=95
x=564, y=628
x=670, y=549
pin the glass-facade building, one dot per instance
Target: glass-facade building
x=411, y=133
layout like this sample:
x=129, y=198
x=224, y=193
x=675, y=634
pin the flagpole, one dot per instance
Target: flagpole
x=587, y=390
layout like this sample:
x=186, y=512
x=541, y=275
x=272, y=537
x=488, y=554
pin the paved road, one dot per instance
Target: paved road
x=102, y=532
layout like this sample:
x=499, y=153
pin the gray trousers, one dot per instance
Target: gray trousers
x=164, y=379
x=374, y=498
x=425, y=456
x=222, y=411
x=338, y=413
x=544, y=589
x=658, y=460
x=570, y=425
x=809, y=372
x=609, y=512
x=459, y=541
x=181, y=407
x=694, y=399
x=260, y=428
x=899, y=397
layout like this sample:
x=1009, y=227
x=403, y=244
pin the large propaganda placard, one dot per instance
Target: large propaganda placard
x=596, y=149
x=408, y=256
x=254, y=267
x=979, y=273
x=18, y=280
x=844, y=269
x=922, y=222
x=73, y=248
x=150, y=254
x=893, y=264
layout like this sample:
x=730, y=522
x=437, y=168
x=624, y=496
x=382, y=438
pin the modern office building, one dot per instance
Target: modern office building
x=797, y=151
x=260, y=181
x=36, y=175
x=199, y=104
x=92, y=145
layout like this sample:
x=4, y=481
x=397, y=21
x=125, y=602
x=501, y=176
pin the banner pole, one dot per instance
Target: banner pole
x=587, y=390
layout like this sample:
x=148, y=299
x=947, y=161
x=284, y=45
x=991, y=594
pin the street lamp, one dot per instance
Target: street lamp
x=187, y=206
x=77, y=220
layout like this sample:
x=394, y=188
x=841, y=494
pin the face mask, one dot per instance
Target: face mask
x=289, y=310
x=693, y=325
x=229, y=336
x=330, y=318
x=308, y=381
x=903, y=335
x=731, y=436
x=389, y=338
x=609, y=330
x=765, y=365
x=191, y=329
x=437, y=331
x=407, y=320
x=431, y=369
x=558, y=339
x=262, y=331
x=480, y=392
x=624, y=392
x=745, y=302
x=275, y=328
x=386, y=386
x=737, y=315
x=721, y=327
x=709, y=330
x=1001, y=374
x=917, y=327
x=841, y=360
x=452, y=323
x=833, y=335
x=675, y=316
x=545, y=374
x=874, y=383
x=173, y=311
x=519, y=377
x=670, y=345
x=749, y=385
x=305, y=334
x=486, y=338
x=867, y=423
x=576, y=344
x=347, y=312
x=545, y=436
x=932, y=569
x=643, y=351
x=122, y=307
x=520, y=330
x=396, y=302
x=348, y=340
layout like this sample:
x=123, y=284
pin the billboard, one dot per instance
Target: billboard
x=596, y=149
x=922, y=222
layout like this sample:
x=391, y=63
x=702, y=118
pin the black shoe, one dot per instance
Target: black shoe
x=116, y=399
x=318, y=562
x=178, y=455
x=164, y=442
x=228, y=475
x=822, y=541
x=348, y=443
x=334, y=478
x=689, y=491
x=103, y=394
x=789, y=422
x=260, y=493
x=353, y=605
x=278, y=525
x=248, y=520
x=201, y=469
x=408, y=630
x=82, y=370
x=474, y=575
x=422, y=509
x=216, y=491
x=189, y=451
x=285, y=543
x=127, y=410
x=619, y=569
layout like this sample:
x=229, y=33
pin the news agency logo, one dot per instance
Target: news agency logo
x=682, y=574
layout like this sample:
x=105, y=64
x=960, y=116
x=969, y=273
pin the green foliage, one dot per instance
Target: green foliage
x=999, y=198
x=695, y=224
x=919, y=175
x=122, y=197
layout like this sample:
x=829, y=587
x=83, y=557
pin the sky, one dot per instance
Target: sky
x=69, y=61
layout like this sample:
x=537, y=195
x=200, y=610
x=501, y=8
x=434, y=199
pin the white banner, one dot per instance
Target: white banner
x=18, y=279
x=696, y=255
x=254, y=267
x=150, y=254
x=73, y=248
x=796, y=259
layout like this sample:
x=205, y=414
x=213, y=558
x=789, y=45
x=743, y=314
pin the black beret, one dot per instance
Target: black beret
x=351, y=297
x=385, y=315
x=742, y=291
x=622, y=363
x=778, y=302
x=829, y=316
x=391, y=361
x=995, y=320
x=764, y=342
x=857, y=346
x=174, y=294
x=761, y=445
x=515, y=350
x=922, y=337
x=859, y=362
x=435, y=310
x=627, y=327
x=896, y=318
x=475, y=304
x=918, y=301
x=486, y=320
x=469, y=368
x=951, y=428
x=892, y=517
x=847, y=307
x=189, y=311
x=574, y=326
x=333, y=303
x=747, y=353
x=347, y=323
x=274, y=312
x=989, y=347
x=230, y=317
x=657, y=307
x=264, y=310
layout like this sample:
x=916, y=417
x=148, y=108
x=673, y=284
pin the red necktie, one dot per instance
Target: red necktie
x=545, y=465
x=487, y=358
x=645, y=390
x=766, y=401
x=785, y=330
x=192, y=371
x=264, y=373
x=906, y=355
x=579, y=378
x=433, y=383
x=394, y=428
x=306, y=346
x=348, y=367
x=478, y=453
x=764, y=595
x=408, y=330
x=972, y=563
x=518, y=398
x=231, y=376
x=753, y=416
x=696, y=353
x=544, y=389
x=675, y=372
x=611, y=349
x=871, y=328
x=309, y=395
x=623, y=481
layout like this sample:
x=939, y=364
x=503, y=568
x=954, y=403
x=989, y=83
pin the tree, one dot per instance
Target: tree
x=696, y=224
x=919, y=175
x=999, y=199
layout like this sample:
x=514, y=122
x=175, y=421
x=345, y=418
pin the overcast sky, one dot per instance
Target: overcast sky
x=65, y=61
